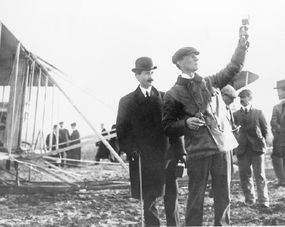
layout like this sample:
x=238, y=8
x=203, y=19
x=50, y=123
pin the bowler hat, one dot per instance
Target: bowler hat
x=143, y=64
x=185, y=51
x=73, y=124
x=229, y=91
x=280, y=84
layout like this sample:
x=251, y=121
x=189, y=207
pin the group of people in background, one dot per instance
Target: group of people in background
x=61, y=138
x=193, y=123
x=102, y=151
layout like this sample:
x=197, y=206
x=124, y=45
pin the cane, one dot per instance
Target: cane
x=141, y=191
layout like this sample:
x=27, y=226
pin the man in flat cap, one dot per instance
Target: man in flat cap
x=141, y=137
x=194, y=107
x=252, y=138
x=278, y=130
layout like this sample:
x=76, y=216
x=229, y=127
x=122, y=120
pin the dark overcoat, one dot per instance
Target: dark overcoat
x=139, y=128
x=76, y=152
x=253, y=132
x=278, y=127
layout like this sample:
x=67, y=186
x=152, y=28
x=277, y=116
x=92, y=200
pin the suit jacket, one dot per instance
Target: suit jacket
x=253, y=131
x=278, y=126
x=63, y=137
x=139, y=129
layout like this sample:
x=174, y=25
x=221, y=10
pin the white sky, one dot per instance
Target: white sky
x=97, y=42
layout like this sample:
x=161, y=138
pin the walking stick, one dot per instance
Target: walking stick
x=141, y=191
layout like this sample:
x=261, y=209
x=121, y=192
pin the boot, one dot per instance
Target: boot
x=277, y=163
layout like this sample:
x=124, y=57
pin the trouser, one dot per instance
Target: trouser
x=278, y=162
x=150, y=211
x=219, y=165
x=256, y=161
x=171, y=195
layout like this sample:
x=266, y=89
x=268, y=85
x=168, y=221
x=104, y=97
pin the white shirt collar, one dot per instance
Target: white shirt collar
x=144, y=90
x=186, y=76
x=247, y=108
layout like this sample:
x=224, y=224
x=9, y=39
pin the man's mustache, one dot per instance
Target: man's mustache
x=149, y=80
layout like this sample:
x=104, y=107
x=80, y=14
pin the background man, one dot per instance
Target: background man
x=140, y=133
x=74, y=139
x=278, y=131
x=250, y=152
x=193, y=107
x=63, y=140
x=102, y=151
x=51, y=143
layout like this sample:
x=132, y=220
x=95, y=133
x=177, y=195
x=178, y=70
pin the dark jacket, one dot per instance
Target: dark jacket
x=74, y=153
x=201, y=98
x=253, y=131
x=139, y=129
x=278, y=126
x=102, y=152
x=63, y=137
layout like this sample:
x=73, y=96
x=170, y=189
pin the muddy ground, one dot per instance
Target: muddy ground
x=115, y=207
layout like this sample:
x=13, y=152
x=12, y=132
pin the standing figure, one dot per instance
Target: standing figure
x=278, y=131
x=63, y=140
x=102, y=151
x=52, y=143
x=74, y=153
x=194, y=107
x=250, y=152
x=141, y=137
x=114, y=143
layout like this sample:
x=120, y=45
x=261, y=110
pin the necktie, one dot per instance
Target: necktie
x=147, y=95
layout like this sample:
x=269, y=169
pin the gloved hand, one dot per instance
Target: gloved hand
x=182, y=158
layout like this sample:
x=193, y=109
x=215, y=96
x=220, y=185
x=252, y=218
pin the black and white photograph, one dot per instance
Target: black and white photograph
x=142, y=113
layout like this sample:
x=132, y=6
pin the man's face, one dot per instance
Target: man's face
x=244, y=101
x=189, y=63
x=227, y=99
x=145, y=78
x=281, y=93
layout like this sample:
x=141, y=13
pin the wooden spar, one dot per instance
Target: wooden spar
x=89, y=123
x=44, y=112
x=83, y=161
x=23, y=105
x=36, y=107
x=31, y=81
x=51, y=133
x=14, y=99
x=43, y=170
x=62, y=171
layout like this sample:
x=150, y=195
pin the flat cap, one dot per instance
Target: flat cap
x=245, y=93
x=280, y=84
x=185, y=51
x=229, y=91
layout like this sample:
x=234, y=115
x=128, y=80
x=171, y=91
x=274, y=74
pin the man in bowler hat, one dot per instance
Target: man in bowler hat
x=140, y=133
x=194, y=107
x=278, y=130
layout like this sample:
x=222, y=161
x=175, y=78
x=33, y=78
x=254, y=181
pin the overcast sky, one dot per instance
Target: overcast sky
x=97, y=42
